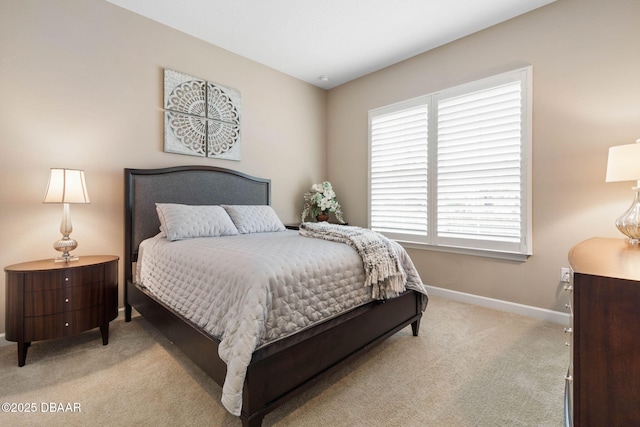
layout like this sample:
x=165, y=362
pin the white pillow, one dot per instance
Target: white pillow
x=188, y=221
x=254, y=218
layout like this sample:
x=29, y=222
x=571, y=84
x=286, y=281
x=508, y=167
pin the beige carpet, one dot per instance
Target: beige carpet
x=470, y=366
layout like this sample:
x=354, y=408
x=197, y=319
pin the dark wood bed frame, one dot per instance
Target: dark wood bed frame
x=278, y=371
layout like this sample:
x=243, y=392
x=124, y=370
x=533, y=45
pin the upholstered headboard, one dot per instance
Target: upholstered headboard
x=190, y=185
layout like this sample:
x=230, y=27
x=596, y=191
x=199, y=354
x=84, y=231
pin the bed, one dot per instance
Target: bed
x=277, y=370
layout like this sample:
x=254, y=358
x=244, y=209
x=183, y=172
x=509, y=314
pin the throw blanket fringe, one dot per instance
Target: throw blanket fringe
x=383, y=271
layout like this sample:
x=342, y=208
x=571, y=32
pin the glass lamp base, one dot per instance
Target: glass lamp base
x=629, y=222
x=65, y=245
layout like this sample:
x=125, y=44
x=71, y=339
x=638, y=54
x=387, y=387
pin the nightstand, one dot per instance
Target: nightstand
x=47, y=300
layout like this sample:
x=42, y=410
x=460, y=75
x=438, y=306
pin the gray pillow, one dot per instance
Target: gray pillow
x=254, y=218
x=189, y=221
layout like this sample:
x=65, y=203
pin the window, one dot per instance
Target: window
x=451, y=170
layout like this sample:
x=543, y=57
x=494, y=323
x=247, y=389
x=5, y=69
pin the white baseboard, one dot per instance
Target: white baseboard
x=496, y=304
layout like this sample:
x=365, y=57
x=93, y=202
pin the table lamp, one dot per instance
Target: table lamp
x=624, y=165
x=66, y=186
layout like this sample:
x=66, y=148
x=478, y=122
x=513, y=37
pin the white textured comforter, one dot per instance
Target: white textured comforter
x=252, y=289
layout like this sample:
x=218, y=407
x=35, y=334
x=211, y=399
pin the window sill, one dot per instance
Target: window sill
x=486, y=253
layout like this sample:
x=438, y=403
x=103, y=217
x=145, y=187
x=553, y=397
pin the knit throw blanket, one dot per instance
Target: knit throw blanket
x=383, y=271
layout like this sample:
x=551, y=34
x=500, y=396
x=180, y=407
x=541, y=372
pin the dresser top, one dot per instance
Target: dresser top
x=49, y=264
x=606, y=257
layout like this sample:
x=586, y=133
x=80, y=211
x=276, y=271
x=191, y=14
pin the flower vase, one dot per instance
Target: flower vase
x=322, y=217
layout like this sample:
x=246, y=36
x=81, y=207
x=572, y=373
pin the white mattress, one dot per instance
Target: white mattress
x=251, y=289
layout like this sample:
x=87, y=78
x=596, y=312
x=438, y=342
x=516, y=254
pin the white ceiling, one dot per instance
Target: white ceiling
x=339, y=39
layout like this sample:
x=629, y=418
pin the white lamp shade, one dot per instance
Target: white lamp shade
x=66, y=186
x=624, y=163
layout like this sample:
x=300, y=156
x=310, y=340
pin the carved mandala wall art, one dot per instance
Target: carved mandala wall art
x=201, y=118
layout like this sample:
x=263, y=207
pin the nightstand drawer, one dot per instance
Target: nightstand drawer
x=47, y=280
x=62, y=300
x=61, y=325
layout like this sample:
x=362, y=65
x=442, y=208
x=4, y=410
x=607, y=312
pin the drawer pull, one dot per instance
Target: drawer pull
x=66, y=300
x=66, y=324
x=66, y=279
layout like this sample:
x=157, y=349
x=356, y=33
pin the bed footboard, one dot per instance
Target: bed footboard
x=273, y=379
x=280, y=371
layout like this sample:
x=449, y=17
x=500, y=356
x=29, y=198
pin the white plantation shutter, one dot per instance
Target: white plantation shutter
x=452, y=169
x=479, y=155
x=398, y=176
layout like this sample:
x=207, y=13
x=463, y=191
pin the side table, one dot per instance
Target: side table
x=47, y=300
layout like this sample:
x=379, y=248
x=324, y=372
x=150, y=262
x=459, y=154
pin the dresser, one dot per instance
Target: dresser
x=47, y=300
x=606, y=333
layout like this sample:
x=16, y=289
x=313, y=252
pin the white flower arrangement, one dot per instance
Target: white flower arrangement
x=321, y=199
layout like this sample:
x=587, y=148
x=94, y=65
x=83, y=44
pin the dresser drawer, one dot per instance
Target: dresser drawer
x=61, y=300
x=47, y=280
x=62, y=324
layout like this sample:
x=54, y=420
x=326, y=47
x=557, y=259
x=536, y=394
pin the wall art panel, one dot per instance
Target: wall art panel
x=201, y=118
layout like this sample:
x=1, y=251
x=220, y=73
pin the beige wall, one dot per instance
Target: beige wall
x=586, y=71
x=81, y=87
